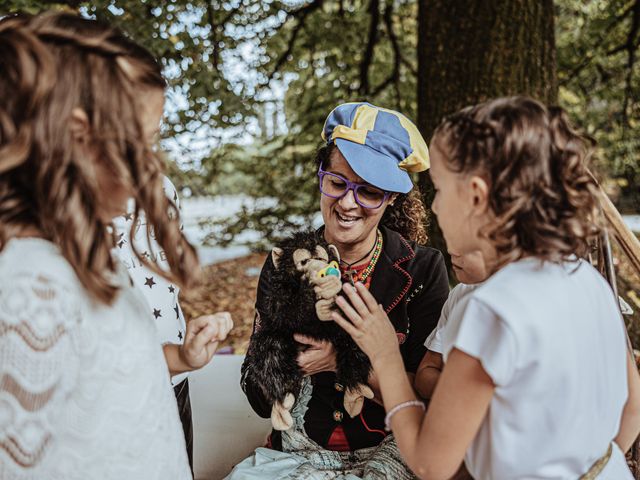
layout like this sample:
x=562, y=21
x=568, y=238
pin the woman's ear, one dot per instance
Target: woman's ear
x=479, y=190
x=392, y=198
x=79, y=125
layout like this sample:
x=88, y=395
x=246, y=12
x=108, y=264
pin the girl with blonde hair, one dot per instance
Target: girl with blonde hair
x=84, y=387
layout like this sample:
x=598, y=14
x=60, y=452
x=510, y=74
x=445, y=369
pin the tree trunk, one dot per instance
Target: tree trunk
x=473, y=50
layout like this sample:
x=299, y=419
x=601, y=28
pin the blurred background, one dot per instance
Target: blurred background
x=251, y=83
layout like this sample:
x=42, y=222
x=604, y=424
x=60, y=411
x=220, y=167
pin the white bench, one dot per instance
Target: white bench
x=225, y=428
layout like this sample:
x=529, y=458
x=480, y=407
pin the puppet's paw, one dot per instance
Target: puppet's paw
x=281, y=418
x=327, y=287
x=354, y=399
x=324, y=308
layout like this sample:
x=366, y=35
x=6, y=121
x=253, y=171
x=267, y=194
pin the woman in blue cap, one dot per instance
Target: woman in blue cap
x=376, y=219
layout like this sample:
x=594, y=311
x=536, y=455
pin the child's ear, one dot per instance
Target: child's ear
x=79, y=125
x=479, y=194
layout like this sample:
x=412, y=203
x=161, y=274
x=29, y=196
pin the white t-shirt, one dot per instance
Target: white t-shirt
x=552, y=339
x=85, y=390
x=161, y=295
x=450, y=318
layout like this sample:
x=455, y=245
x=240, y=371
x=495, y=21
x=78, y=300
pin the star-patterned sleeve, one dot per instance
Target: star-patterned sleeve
x=161, y=295
x=38, y=370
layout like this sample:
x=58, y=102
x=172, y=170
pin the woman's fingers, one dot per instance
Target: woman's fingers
x=346, y=325
x=369, y=300
x=356, y=300
x=349, y=311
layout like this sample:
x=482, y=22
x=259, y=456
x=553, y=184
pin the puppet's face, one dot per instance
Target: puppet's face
x=310, y=263
x=321, y=270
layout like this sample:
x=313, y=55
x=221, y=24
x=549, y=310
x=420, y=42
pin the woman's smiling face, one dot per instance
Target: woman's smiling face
x=346, y=222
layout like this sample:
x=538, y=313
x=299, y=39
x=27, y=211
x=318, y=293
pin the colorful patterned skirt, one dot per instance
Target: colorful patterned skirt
x=302, y=458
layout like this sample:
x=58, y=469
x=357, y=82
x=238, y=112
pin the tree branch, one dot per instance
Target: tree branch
x=213, y=35
x=632, y=46
x=300, y=15
x=367, y=57
x=632, y=32
x=394, y=77
x=591, y=55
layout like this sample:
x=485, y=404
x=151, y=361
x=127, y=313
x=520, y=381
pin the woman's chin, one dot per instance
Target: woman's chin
x=345, y=235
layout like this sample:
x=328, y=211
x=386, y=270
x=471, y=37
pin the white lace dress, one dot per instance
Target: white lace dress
x=84, y=387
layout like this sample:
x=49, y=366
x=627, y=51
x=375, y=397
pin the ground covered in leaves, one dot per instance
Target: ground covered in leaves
x=228, y=286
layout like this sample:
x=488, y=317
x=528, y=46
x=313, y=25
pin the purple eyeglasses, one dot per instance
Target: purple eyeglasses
x=336, y=186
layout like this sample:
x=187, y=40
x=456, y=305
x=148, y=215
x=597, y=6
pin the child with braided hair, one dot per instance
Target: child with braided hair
x=537, y=380
x=84, y=386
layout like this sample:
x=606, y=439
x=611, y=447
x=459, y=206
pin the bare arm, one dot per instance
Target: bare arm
x=428, y=374
x=630, y=424
x=374, y=384
x=433, y=446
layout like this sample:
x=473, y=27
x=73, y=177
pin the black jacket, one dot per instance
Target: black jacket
x=410, y=281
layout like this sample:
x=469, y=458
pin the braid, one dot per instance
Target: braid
x=541, y=194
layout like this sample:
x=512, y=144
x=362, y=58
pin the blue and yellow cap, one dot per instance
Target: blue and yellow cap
x=382, y=146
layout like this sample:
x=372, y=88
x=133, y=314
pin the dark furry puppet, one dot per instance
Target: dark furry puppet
x=304, y=286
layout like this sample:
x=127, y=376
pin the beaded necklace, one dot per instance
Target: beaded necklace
x=362, y=273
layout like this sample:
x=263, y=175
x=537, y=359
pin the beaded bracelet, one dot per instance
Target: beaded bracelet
x=397, y=408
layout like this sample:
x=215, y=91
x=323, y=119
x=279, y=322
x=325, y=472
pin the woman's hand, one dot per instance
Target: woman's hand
x=319, y=356
x=202, y=338
x=369, y=325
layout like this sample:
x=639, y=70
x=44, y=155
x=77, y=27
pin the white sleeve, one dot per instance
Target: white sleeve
x=484, y=335
x=434, y=340
x=38, y=370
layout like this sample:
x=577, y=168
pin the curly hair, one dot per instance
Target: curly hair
x=407, y=215
x=51, y=64
x=543, y=198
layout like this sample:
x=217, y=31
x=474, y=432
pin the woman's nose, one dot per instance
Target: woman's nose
x=349, y=200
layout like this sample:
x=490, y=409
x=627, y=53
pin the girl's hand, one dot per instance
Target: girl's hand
x=369, y=325
x=319, y=356
x=202, y=338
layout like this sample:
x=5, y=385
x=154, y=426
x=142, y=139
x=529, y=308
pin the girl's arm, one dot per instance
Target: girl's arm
x=630, y=423
x=200, y=343
x=428, y=374
x=433, y=445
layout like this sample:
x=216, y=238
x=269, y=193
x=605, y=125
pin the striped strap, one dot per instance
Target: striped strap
x=598, y=465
